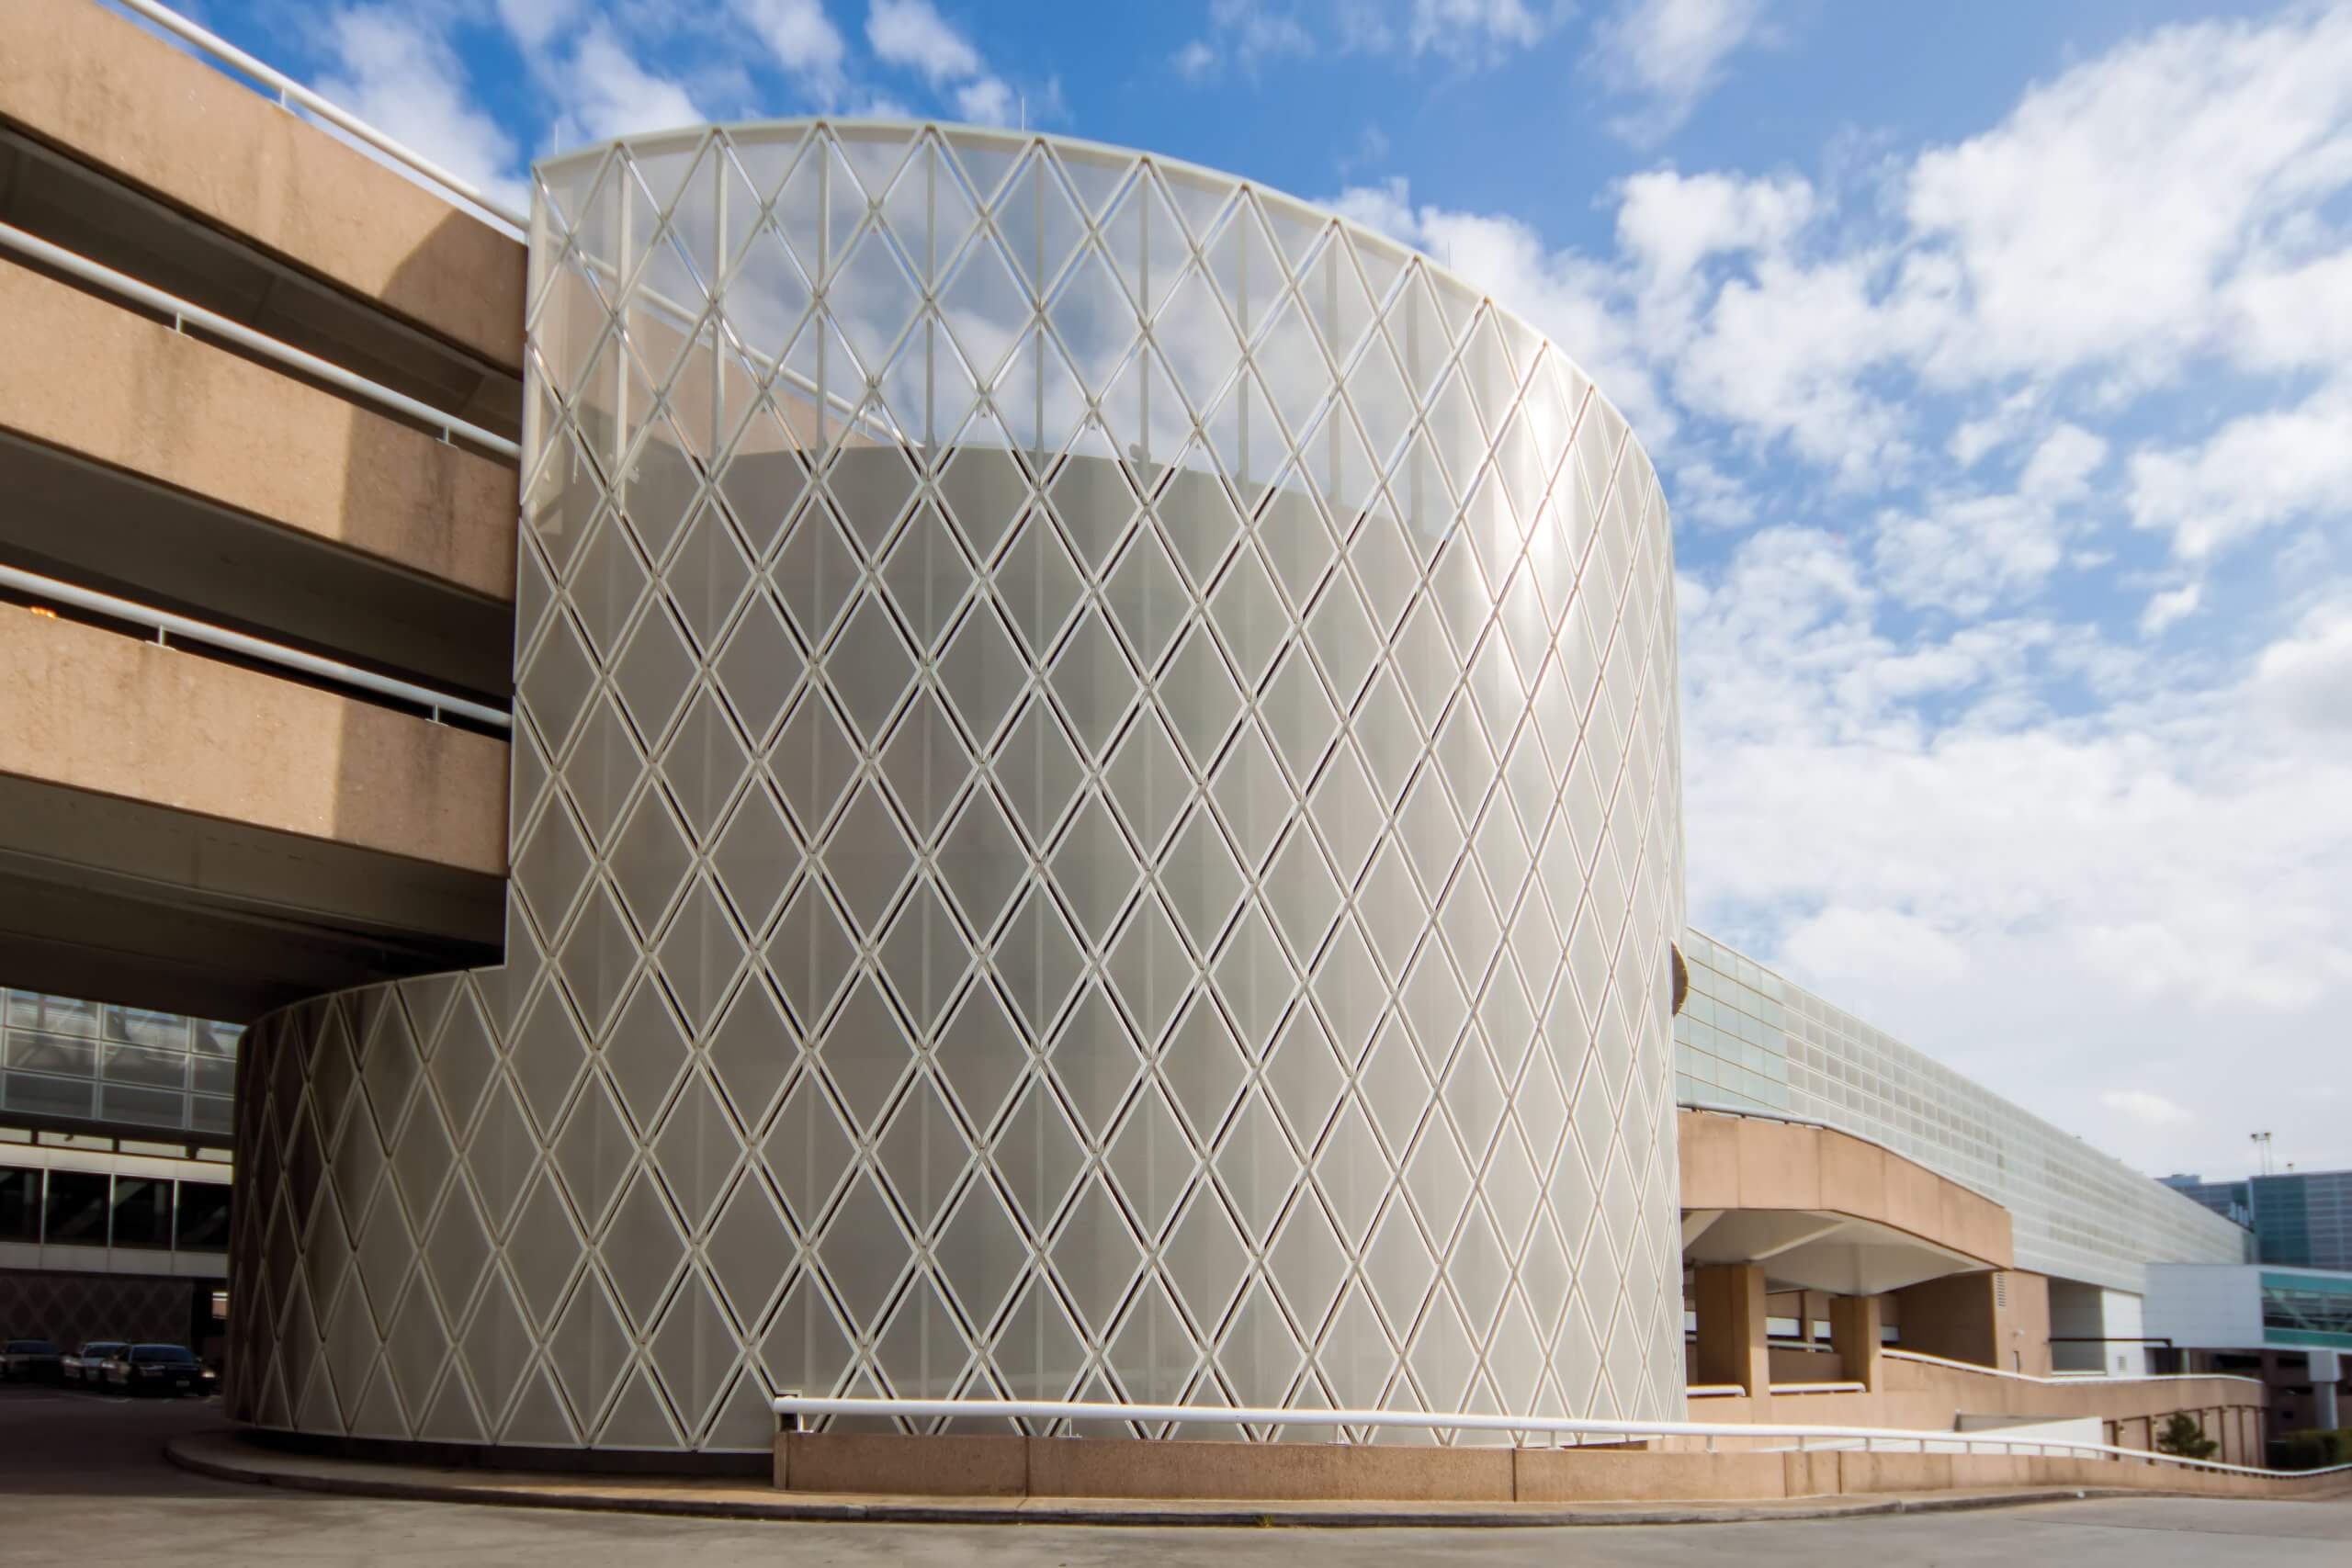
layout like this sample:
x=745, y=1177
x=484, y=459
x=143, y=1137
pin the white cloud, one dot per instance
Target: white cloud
x=1698, y=491
x=1670, y=52
x=912, y=34
x=1967, y=553
x=2146, y=1105
x=2169, y=606
x=1253, y=34
x=395, y=70
x=2305, y=678
x=2291, y=314
x=532, y=22
x=2258, y=471
x=1671, y=224
x=606, y=92
x=990, y=101
x=1474, y=29
x=1196, y=62
x=2097, y=223
x=802, y=40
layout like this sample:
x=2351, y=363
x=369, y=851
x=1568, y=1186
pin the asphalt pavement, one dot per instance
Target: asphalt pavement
x=82, y=1481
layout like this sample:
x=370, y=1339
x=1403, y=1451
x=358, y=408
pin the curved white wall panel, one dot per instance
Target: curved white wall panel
x=1096, y=813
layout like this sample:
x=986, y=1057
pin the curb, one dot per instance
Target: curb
x=225, y=1458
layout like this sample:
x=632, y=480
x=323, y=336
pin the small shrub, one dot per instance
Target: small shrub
x=2183, y=1435
x=2314, y=1450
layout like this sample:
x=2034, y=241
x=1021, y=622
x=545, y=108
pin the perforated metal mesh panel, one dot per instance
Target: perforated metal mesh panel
x=1096, y=813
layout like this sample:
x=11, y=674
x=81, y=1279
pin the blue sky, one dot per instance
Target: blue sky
x=1995, y=360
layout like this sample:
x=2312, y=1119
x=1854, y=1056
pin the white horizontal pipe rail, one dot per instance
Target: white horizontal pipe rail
x=2069, y=1380
x=794, y=1406
x=183, y=314
x=290, y=92
x=1760, y=1113
x=168, y=626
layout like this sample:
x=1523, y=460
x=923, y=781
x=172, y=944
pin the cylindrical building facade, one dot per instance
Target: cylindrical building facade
x=1096, y=814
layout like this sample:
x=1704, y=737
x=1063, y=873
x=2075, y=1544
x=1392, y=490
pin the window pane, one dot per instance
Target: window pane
x=52, y=1053
x=137, y=1026
x=143, y=1211
x=19, y=1205
x=215, y=1074
x=209, y=1113
x=60, y=1015
x=77, y=1208
x=215, y=1039
x=203, y=1216
x=46, y=1096
x=157, y=1069
x=151, y=1107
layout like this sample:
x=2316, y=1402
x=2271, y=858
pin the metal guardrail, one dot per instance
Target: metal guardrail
x=183, y=314
x=167, y=626
x=292, y=93
x=2066, y=1379
x=791, y=1408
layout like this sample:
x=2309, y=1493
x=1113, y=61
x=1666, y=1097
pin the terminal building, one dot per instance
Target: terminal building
x=1066, y=783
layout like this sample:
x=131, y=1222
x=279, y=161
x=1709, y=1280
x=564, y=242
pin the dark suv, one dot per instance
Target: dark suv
x=29, y=1361
x=158, y=1369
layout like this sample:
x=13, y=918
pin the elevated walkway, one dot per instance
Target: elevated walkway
x=262, y=383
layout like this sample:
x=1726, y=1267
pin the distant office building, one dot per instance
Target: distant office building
x=2304, y=1218
x=2230, y=1200
x=2301, y=1218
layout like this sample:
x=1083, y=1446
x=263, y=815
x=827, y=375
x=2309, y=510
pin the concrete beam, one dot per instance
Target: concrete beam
x=111, y=388
x=104, y=529
x=122, y=99
x=180, y=832
x=1736, y=1164
x=94, y=711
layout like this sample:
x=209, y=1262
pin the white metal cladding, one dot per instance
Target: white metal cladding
x=1096, y=815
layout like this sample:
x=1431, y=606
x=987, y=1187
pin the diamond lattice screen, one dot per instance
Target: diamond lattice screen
x=1096, y=813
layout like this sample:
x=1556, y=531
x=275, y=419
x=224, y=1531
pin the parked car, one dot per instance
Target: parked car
x=30, y=1360
x=87, y=1365
x=158, y=1369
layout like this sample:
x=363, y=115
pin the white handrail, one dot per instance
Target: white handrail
x=184, y=314
x=289, y=91
x=795, y=1405
x=171, y=625
x=2069, y=1380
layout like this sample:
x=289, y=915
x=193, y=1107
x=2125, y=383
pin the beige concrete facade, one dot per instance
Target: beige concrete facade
x=1915, y=1395
x=93, y=711
x=1995, y=1320
x=116, y=389
x=887, y=1465
x=1732, y=1347
x=1746, y=1163
x=120, y=98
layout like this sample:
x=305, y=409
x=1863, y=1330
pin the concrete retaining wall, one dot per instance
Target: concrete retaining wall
x=887, y=1464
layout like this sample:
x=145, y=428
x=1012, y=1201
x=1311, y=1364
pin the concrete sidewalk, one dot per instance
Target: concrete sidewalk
x=225, y=1456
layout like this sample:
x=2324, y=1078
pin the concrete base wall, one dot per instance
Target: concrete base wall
x=888, y=1465
x=1928, y=1396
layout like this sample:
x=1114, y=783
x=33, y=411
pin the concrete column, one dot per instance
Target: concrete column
x=2324, y=1415
x=1732, y=1346
x=1854, y=1334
